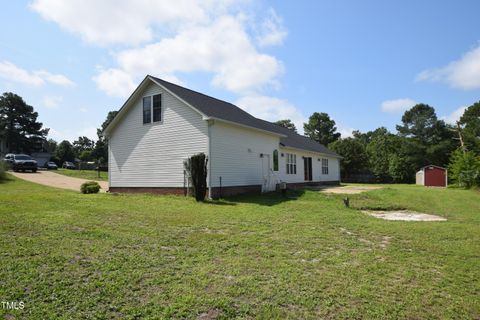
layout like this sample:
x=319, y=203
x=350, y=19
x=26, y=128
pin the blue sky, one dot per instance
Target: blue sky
x=362, y=62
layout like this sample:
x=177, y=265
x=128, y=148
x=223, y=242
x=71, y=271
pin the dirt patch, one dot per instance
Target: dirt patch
x=346, y=189
x=403, y=215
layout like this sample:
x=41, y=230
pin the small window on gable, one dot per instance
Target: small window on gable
x=157, y=108
x=147, y=110
x=275, y=160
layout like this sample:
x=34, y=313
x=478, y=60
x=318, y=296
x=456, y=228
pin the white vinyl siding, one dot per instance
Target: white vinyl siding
x=236, y=155
x=152, y=154
x=317, y=176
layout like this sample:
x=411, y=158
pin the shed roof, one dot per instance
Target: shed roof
x=432, y=165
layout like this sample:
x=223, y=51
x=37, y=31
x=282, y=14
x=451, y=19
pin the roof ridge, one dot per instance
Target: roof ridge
x=197, y=92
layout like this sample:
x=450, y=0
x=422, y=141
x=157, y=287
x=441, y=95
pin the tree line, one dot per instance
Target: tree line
x=23, y=133
x=420, y=139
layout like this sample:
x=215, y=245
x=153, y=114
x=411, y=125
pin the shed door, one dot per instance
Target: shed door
x=435, y=177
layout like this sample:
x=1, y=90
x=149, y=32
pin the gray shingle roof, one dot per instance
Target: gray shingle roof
x=223, y=110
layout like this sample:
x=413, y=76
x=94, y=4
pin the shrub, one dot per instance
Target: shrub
x=90, y=187
x=464, y=169
x=197, y=168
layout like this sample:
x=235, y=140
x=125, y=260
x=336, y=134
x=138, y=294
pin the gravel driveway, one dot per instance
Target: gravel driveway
x=52, y=179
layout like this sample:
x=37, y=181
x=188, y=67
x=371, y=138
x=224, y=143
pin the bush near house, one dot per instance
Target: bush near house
x=90, y=187
x=197, y=168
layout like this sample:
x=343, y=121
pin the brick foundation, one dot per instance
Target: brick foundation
x=217, y=192
x=155, y=190
x=231, y=191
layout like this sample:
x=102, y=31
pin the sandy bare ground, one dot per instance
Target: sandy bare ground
x=346, y=189
x=51, y=179
x=403, y=215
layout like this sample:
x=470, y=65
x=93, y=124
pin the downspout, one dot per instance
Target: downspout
x=209, y=148
x=109, y=163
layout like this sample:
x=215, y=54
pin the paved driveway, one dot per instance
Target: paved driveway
x=56, y=180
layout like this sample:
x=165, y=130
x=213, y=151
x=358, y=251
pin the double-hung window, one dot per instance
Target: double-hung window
x=157, y=108
x=152, y=105
x=147, y=109
x=291, y=163
x=324, y=166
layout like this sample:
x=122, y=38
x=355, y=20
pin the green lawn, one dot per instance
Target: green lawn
x=71, y=256
x=84, y=174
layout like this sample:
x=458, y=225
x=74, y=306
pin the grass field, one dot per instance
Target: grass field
x=84, y=174
x=72, y=256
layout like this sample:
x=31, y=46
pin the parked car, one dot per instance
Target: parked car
x=21, y=162
x=51, y=165
x=68, y=165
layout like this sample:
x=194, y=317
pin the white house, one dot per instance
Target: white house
x=162, y=124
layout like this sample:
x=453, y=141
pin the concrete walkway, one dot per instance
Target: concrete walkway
x=52, y=179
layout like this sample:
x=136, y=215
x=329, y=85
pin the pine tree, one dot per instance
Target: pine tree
x=19, y=124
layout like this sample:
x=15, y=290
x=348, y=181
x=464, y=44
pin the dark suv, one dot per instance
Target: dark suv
x=21, y=162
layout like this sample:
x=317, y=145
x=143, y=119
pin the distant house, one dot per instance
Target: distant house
x=162, y=124
x=432, y=176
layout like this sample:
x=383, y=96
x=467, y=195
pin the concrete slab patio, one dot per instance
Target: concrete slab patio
x=52, y=179
x=345, y=189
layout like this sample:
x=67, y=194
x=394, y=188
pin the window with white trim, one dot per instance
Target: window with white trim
x=324, y=166
x=152, y=108
x=147, y=110
x=291, y=163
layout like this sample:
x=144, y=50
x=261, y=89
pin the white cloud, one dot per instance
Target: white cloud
x=58, y=79
x=454, y=116
x=122, y=22
x=168, y=38
x=115, y=82
x=272, y=30
x=463, y=73
x=11, y=72
x=398, y=105
x=346, y=132
x=52, y=102
x=72, y=135
x=272, y=109
x=222, y=48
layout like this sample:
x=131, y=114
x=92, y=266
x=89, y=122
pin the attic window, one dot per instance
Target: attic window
x=157, y=107
x=147, y=110
x=152, y=105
